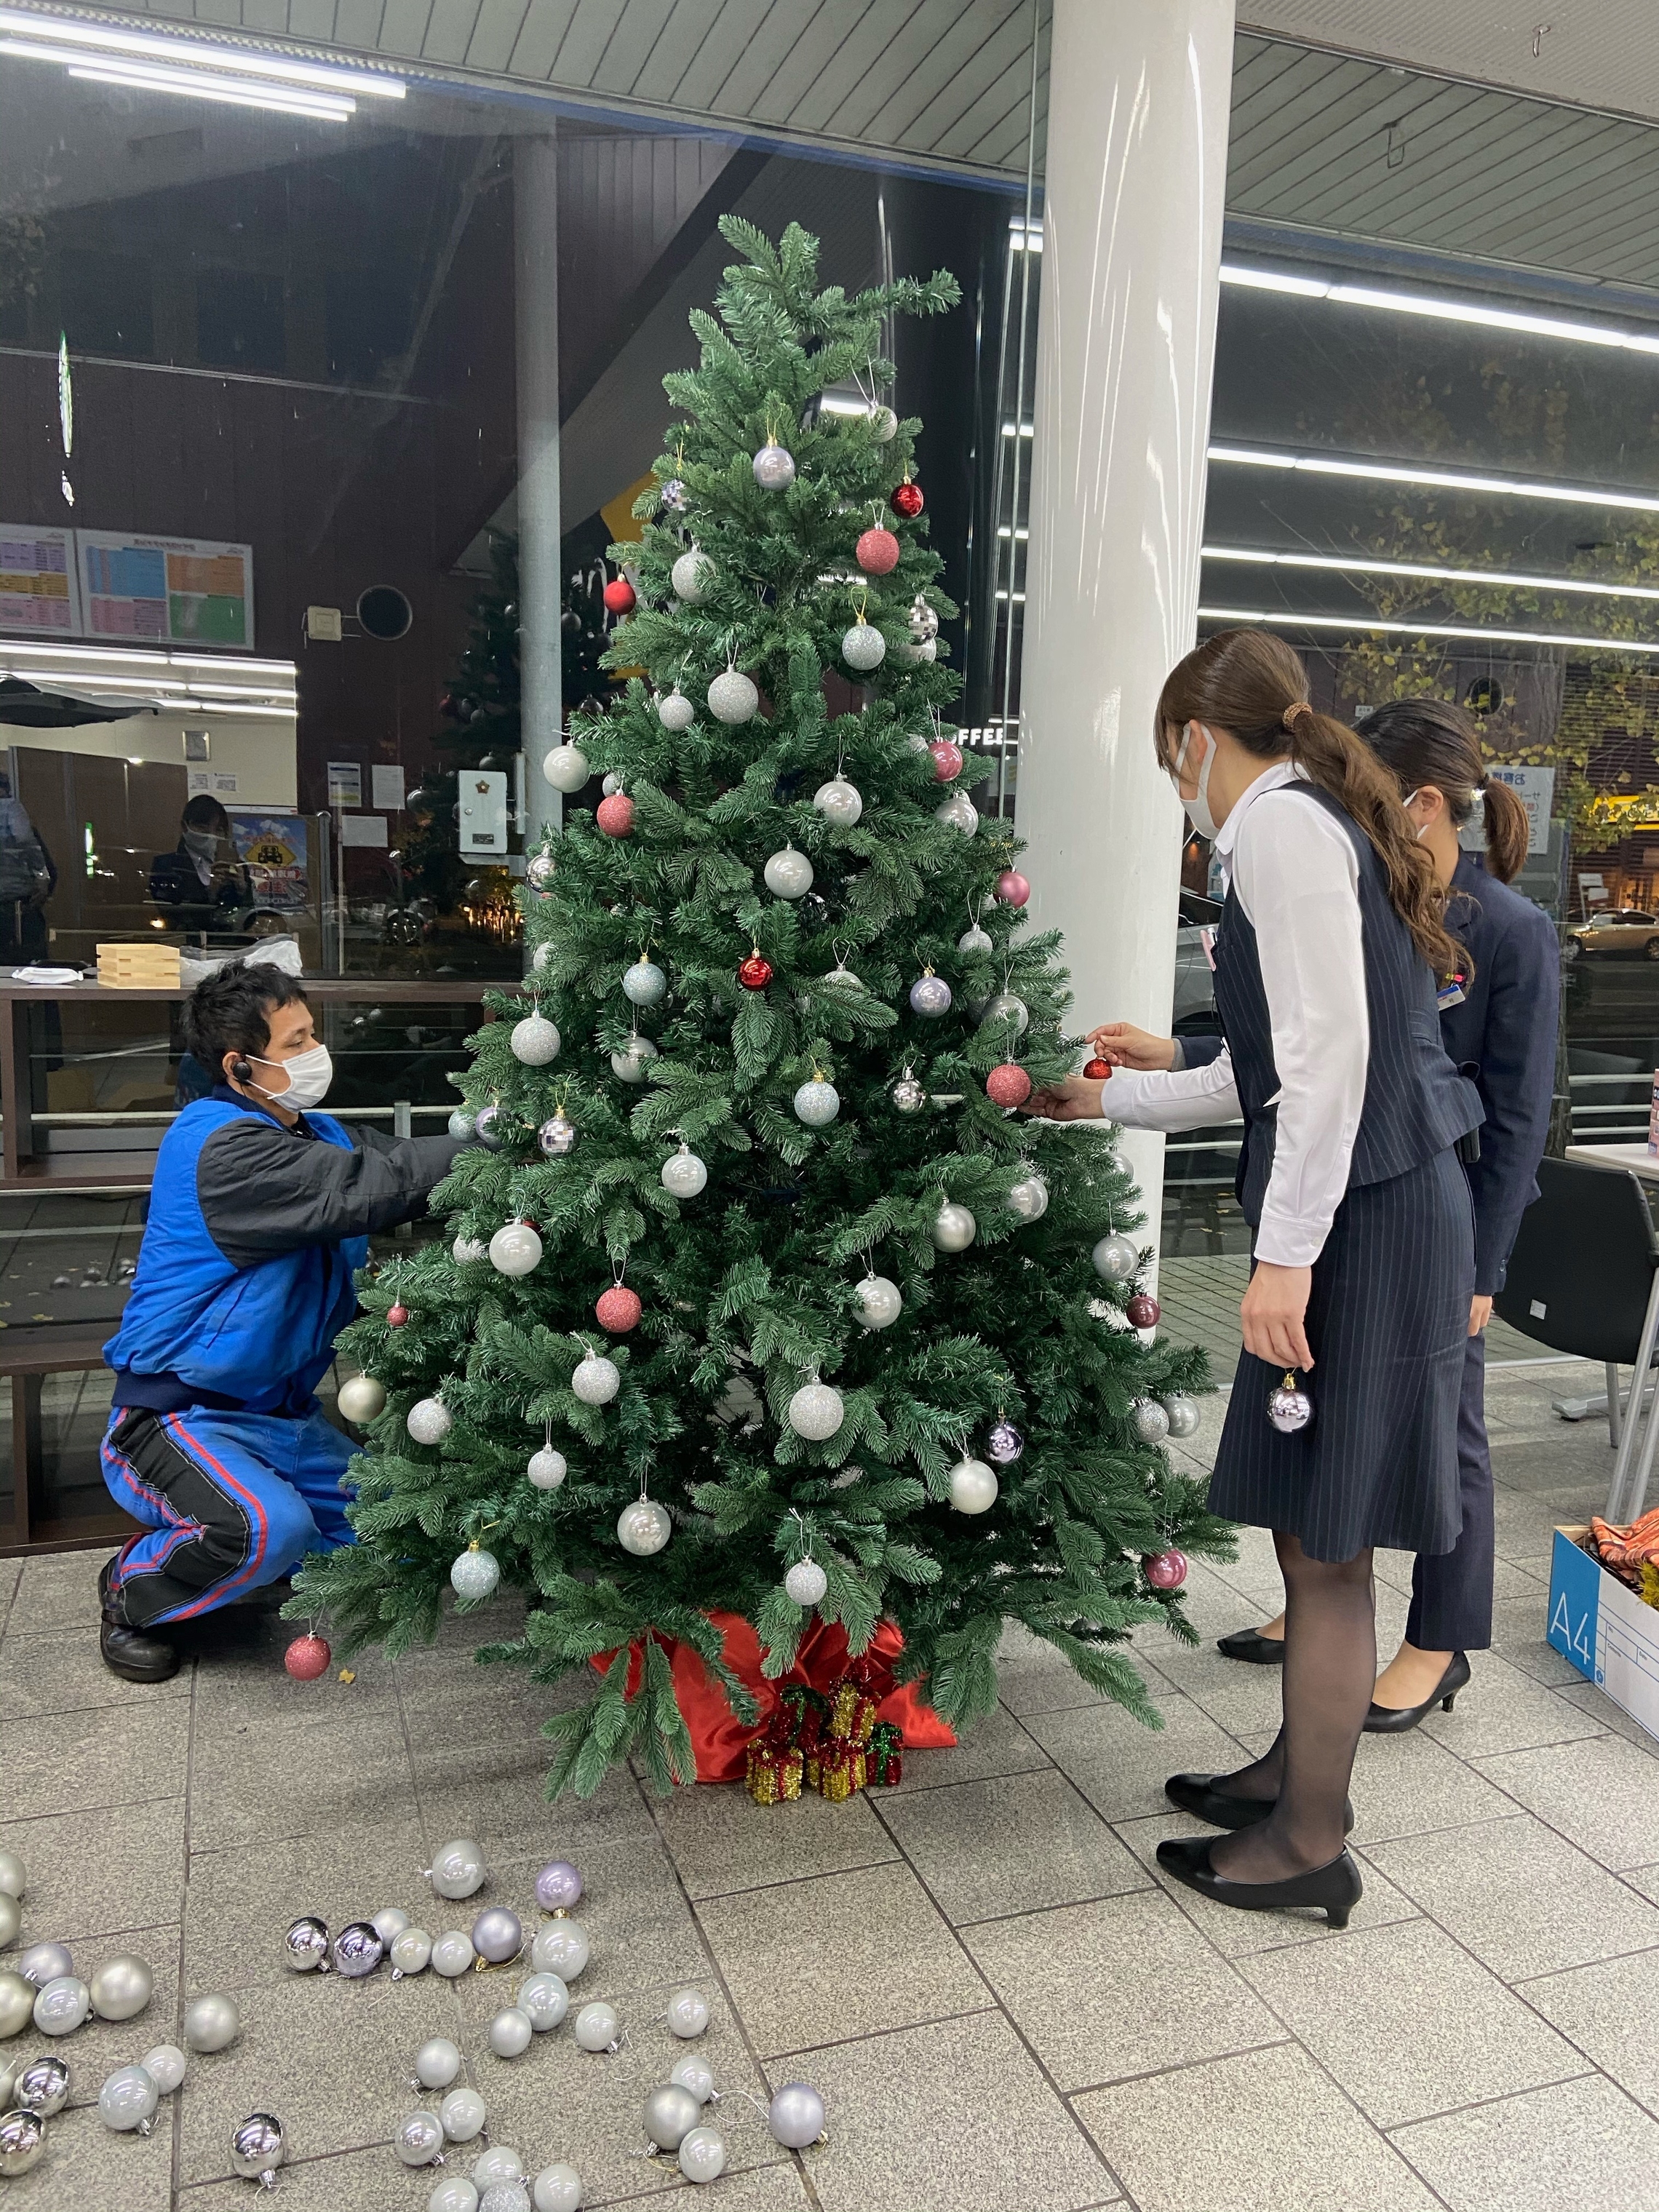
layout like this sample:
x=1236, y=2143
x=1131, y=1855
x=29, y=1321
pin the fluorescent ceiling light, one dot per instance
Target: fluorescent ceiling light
x=135, y=661
x=1023, y=237
x=199, y=53
x=1329, y=464
x=187, y=84
x=1363, y=564
x=1026, y=429
x=1441, y=310
x=1277, y=618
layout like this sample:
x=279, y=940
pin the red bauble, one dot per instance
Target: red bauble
x=947, y=759
x=907, y=500
x=1167, y=1570
x=1097, y=1071
x=307, y=1658
x=1008, y=1085
x=395, y=1315
x=615, y=815
x=1013, y=888
x=756, y=972
x=619, y=595
x=877, y=551
x=618, y=1310
x=1142, y=1311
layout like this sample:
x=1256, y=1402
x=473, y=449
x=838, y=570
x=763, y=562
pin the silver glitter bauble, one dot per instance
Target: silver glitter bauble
x=556, y=1137
x=930, y=995
x=909, y=1095
x=475, y=1574
x=510, y=2033
x=356, y=1950
x=1029, y=1198
x=1116, y=1258
x=410, y=1952
x=597, y=2028
x=558, y=1885
x=732, y=698
x=534, y=1041
x=958, y=811
x=544, y=2000
x=418, y=2138
x=515, y=1250
x=879, y=1302
x=839, y=802
x=805, y=1583
x=428, y=1421
x=437, y=2063
x=703, y=2155
x=547, y=1468
x=954, y=1227
x=795, y=2115
x=457, y=1869
x=816, y=1103
x=692, y=575
x=696, y=2075
x=42, y=2086
x=973, y=1487
x=789, y=874
x=361, y=1400
x=45, y=1962
x=1182, y=1412
x=1008, y=1007
x=566, y=767
x=452, y=1955
x=688, y=2014
x=557, y=2188
x=644, y=984
x=165, y=2064
x=257, y=2148
x=462, y=1125
x=683, y=1174
x=561, y=1948
x=676, y=712
x=816, y=1411
x=462, y=2113
x=596, y=1380
x=62, y=2005
x=1289, y=1409
x=121, y=1988
x=498, y=1934
x=1151, y=1422
x=643, y=1527
x=773, y=467
x=630, y=1064
x=305, y=1947
x=864, y=648
x=505, y=2196
x=671, y=2113
x=127, y=2101
x=1004, y=1444
x=467, y=1251
x=975, y=940
x=22, y=2139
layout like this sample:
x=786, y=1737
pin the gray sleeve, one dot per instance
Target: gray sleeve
x=263, y=1191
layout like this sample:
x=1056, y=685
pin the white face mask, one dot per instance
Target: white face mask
x=1198, y=809
x=1406, y=802
x=309, y=1074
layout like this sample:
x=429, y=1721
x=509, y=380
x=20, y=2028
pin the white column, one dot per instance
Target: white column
x=1138, y=109
x=535, y=281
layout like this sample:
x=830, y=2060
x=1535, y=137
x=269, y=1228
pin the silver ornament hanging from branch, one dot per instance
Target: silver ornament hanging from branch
x=676, y=712
x=907, y=1094
x=1151, y=1422
x=805, y=1583
x=816, y=1411
x=816, y=1103
x=684, y=1175
x=534, y=1041
x=789, y=874
x=645, y=984
x=930, y=995
x=864, y=648
x=954, y=1227
x=839, y=802
x=733, y=698
x=631, y=1063
x=773, y=467
x=692, y=576
x=474, y=1576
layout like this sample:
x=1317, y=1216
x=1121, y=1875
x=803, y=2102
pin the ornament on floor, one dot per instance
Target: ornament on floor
x=958, y=812
x=615, y=815
x=62, y=2005
x=410, y=1952
x=1029, y=1199
x=816, y=1411
x=389, y=1923
x=544, y=2000
x=816, y=1103
x=557, y=2188
x=475, y=1573
x=308, y=1658
x=756, y=972
x=1182, y=1411
x=211, y=2023
x=14, y=1875
x=930, y=995
x=566, y=767
x=879, y=1302
x=839, y=802
x=22, y=2139
x=688, y=2014
x=121, y=1988
x=418, y=2138
x=631, y=1063
x=397, y=1316
x=595, y=1379
x=1167, y=1569
x=515, y=1248
x=909, y=1095
x=954, y=1227
x=548, y=1468
x=1008, y=1085
x=789, y=874
x=684, y=1175
x=257, y=2148
x=946, y=758
x=676, y=712
x=1011, y=888
x=692, y=576
x=165, y=2064
x=16, y=2003
x=907, y=501
x=509, y=2032
x=733, y=698
x=703, y=2155
x=497, y=1935
x=597, y=2028
x=619, y=596
x=643, y=1527
x=452, y=1955
x=644, y=984
x=487, y=1126
x=45, y=1962
x=694, y=2073
x=1289, y=1407
x=878, y=551
x=463, y=2115
x=1097, y=1070
x=671, y=2113
x=42, y=2086
x=498, y=2163
x=1116, y=1258
x=795, y=2116
x=561, y=1947
x=456, y=1870
x=1142, y=1311
x=505, y=2196
x=618, y=1309
x=556, y=1138
x=1005, y=1443
x=1149, y=1420
x=864, y=648
x=773, y=466
x=356, y=1951
x=558, y=1886
x=973, y=1485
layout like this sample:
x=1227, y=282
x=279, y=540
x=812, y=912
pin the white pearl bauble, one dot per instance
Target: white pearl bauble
x=1029, y=1198
x=561, y=1948
x=879, y=1302
x=210, y=2023
x=475, y=1574
x=597, y=1380
x=545, y=2000
x=958, y=812
x=127, y=2101
x=361, y=1400
x=676, y=712
x=566, y=767
x=645, y=984
x=683, y=1174
x=643, y=1527
x=817, y=1103
x=455, y=2193
x=806, y=1581
x=1008, y=1007
x=954, y=1227
x=694, y=2073
x=534, y=1041
x=691, y=575
x=458, y=1870
x=773, y=467
x=975, y=940
x=165, y=2066
x=703, y=2155
x=597, y=2027
x=463, y=2114
x=1183, y=1413
x=732, y=698
x=930, y=996
x=688, y=2014
x=509, y=2032
x=121, y=1988
x=839, y=802
x=816, y=1411
x=437, y=2063
x=452, y=1955
x=547, y=1468
x=1116, y=1258
x=62, y=2005
x=515, y=1248
x=465, y=1251
x=789, y=874
x=428, y=1421
x=973, y=1487
x=558, y=2188
x=629, y=1065
x=410, y=1952
x=418, y=2138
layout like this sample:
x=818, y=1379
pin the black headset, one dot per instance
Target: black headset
x=242, y=1072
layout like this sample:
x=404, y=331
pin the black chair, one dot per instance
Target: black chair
x=1584, y=1279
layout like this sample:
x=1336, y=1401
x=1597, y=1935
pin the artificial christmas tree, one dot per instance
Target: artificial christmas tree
x=865, y=1331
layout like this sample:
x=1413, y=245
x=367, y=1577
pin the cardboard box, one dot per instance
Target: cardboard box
x=1603, y=1628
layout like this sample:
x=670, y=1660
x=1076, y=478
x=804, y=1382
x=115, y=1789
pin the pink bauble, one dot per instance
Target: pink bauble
x=1142, y=1311
x=618, y=1310
x=877, y=551
x=615, y=815
x=307, y=1658
x=395, y=1315
x=947, y=759
x=1008, y=1085
x=1013, y=888
x=1168, y=1570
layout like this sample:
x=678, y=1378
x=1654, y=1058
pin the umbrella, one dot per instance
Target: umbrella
x=26, y=707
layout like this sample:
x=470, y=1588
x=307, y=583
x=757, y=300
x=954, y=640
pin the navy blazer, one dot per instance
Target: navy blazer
x=1503, y=1036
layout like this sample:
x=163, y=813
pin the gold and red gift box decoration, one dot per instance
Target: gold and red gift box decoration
x=775, y=1768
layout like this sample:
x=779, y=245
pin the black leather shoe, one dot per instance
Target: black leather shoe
x=1254, y=1649
x=138, y=1655
x=1197, y=1794
x=1333, y=1889
x=1394, y=1720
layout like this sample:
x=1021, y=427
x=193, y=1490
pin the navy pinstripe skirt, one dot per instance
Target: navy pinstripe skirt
x=1388, y=1323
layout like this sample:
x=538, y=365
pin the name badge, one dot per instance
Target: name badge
x=1451, y=993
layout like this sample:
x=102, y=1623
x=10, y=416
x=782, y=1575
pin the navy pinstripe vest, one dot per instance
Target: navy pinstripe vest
x=1415, y=1102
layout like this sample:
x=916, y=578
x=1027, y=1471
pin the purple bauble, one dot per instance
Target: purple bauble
x=1288, y=1409
x=497, y=1935
x=488, y=1129
x=1005, y=1444
x=558, y=1886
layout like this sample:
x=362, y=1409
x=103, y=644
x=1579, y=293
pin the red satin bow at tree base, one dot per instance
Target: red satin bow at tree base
x=721, y=1741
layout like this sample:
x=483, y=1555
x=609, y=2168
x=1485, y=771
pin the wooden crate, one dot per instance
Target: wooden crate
x=143, y=966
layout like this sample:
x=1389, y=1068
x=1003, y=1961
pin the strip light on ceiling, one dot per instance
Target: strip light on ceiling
x=1331, y=465
x=200, y=53
x=1363, y=564
x=1438, y=309
x=224, y=91
x=1281, y=618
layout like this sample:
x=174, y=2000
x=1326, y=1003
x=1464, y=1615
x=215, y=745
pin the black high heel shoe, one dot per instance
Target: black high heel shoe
x=1197, y=1794
x=1254, y=1649
x=1396, y=1720
x=1333, y=1888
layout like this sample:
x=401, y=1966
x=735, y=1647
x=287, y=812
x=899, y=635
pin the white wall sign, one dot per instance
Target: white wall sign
x=166, y=591
x=1536, y=788
x=345, y=783
x=484, y=811
x=387, y=786
x=363, y=829
x=39, y=591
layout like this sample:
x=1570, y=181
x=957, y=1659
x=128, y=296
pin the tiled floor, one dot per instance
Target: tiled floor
x=1006, y=2007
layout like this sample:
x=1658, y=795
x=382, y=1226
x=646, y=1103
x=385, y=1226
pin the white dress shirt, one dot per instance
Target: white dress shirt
x=1295, y=872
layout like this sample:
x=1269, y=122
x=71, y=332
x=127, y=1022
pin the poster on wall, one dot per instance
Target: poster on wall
x=39, y=591
x=273, y=849
x=166, y=591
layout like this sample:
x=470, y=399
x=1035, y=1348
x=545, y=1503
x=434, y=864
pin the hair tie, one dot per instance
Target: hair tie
x=1294, y=712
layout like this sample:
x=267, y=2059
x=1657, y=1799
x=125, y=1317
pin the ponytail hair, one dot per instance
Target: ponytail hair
x=1254, y=685
x=1430, y=741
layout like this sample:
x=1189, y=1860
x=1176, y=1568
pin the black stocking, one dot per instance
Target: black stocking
x=1329, y=1673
